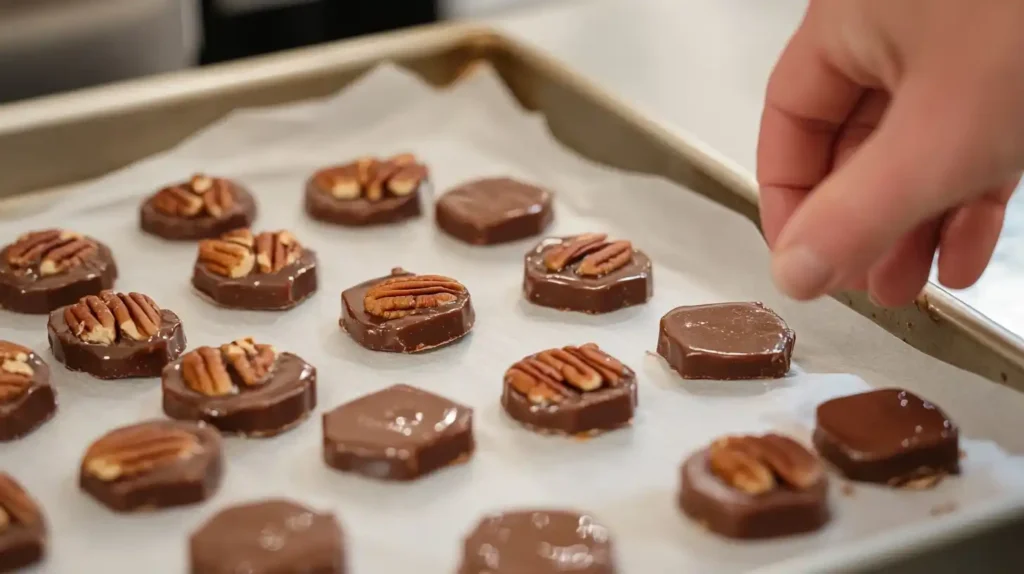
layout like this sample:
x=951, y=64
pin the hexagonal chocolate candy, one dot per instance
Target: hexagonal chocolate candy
x=399, y=433
x=23, y=535
x=152, y=465
x=270, y=271
x=494, y=210
x=204, y=206
x=27, y=400
x=368, y=191
x=116, y=336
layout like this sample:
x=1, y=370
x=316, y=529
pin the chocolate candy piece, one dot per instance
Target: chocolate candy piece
x=400, y=433
x=43, y=270
x=201, y=207
x=495, y=210
x=116, y=336
x=242, y=387
x=572, y=390
x=22, y=527
x=726, y=341
x=538, y=542
x=271, y=271
x=889, y=436
x=27, y=400
x=151, y=465
x=367, y=191
x=755, y=487
x=587, y=273
x=268, y=537
x=406, y=313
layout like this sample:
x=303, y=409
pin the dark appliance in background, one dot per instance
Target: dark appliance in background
x=230, y=33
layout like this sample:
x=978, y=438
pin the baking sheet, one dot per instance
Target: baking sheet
x=627, y=479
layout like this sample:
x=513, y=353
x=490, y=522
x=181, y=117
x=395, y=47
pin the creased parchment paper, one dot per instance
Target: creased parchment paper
x=627, y=479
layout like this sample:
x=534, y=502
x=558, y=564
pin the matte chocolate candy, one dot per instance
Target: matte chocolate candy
x=538, y=542
x=116, y=336
x=726, y=341
x=152, y=465
x=268, y=537
x=889, y=436
x=572, y=390
x=755, y=487
x=201, y=207
x=407, y=313
x=368, y=191
x=27, y=400
x=494, y=210
x=271, y=271
x=399, y=433
x=242, y=387
x=23, y=534
x=587, y=273
x=44, y=270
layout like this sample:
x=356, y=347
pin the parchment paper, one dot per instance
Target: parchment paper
x=627, y=479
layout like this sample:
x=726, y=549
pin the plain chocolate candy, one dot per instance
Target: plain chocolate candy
x=241, y=388
x=399, y=433
x=23, y=534
x=587, y=273
x=270, y=271
x=494, y=210
x=27, y=400
x=268, y=537
x=201, y=207
x=538, y=542
x=368, y=191
x=44, y=270
x=755, y=487
x=116, y=336
x=726, y=341
x=406, y=313
x=572, y=390
x=889, y=436
x=152, y=465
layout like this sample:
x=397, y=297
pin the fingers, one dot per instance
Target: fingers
x=969, y=238
x=902, y=272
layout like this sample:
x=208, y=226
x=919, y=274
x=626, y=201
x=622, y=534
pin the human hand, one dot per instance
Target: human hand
x=891, y=130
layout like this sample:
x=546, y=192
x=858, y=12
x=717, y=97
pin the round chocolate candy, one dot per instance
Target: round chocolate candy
x=115, y=336
x=27, y=400
x=271, y=271
x=368, y=191
x=407, y=313
x=242, y=387
x=587, y=273
x=201, y=207
x=152, y=465
x=494, y=210
x=44, y=270
x=23, y=535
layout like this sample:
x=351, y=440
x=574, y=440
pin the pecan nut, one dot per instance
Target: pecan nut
x=595, y=254
x=139, y=449
x=200, y=196
x=759, y=464
x=208, y=370
x=105, y=318
x=16, y=506
x=50, y=252
x=400, y=296
x=15, y=371
x=556, y=375
x=276, y=250
x=372, y=178
x=231, y=255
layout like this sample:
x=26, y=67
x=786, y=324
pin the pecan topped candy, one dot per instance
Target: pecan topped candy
x=368, y=191
x=269, y=271
x=203, y=206
x=27, y=400
x=43, y=270
x=23, y=535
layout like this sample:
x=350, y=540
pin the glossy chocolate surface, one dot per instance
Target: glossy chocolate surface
x=726, y=341
x=399, y=433
x=422, y=330
x=28, y=291
x=631, y=284
x=258, y=291
x=731, y=512
x=146, y=482
x=323, y=206
x=538, y=542
x=887, y=436
x=176, y=227
x=268, y=537
x=279, y=404
x=23, y=536
x=494, y=210
x=24, y=409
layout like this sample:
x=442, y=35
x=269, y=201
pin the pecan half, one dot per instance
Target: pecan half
x=276, y=250
x=555, y=375
x=15, y=371
x=595, y=254
x=16, y=506
x=399, y=296
x=137, y=450
x=54, y=251
x=206, y=369
x=609, y=258
x=105, y=318
x=372, y=178
x=231, y=255
x=759, y=464
x=201, y=195
x=252, y=362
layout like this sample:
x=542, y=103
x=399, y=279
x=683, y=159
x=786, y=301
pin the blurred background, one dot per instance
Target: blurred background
x=50, y=46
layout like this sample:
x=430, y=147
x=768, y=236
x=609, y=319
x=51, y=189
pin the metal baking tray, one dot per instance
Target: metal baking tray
x=56, y=141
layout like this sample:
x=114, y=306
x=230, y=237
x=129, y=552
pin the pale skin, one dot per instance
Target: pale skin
x=893, y=130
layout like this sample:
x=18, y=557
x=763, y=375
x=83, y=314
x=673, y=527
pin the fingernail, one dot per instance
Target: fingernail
x=801, y=273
